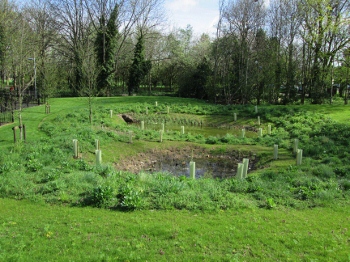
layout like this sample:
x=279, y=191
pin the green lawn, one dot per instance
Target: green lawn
x=39, y=232
x=280, y=213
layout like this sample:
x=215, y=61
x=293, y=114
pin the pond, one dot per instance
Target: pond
x=214, y=163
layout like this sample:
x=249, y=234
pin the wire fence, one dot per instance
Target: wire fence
x=6, y=117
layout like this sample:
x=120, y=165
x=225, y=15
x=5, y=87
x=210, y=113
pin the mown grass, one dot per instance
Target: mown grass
x=36, y=232
x=204, y=219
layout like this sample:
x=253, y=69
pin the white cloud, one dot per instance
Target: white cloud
x=181, y=5
x=202, y=15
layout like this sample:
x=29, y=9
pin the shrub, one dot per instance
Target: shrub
x=129, y=197
x=105, y=170
x=101, y=195
x=323, y=171
x=212, y=140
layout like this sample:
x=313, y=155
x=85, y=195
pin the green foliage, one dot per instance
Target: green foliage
x=101, y=195
x=49, y=173
x=194, y=83
x=140, y=67
x=105, y=49
x=129, y=197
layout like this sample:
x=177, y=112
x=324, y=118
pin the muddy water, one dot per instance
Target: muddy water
x=209, y=163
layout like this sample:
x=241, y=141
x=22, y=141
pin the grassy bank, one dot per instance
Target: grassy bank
x=73, y=209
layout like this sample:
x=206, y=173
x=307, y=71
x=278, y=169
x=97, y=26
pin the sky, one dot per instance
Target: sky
x=202, y=15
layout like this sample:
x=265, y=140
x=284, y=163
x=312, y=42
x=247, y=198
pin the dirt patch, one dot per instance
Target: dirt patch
x=217, y=163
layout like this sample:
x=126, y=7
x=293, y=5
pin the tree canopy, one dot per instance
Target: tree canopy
x=287, y=51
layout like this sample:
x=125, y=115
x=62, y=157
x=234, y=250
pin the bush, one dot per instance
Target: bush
x=101, y=195
x=212, y=140
x=129, y=198
x=323, y=171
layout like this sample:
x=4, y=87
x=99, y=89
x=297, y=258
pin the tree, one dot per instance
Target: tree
x=284, y=21
x=106, y=49
x=139, y=68
x=45, y=30
x=7, y=27
x=326, y=32
x=242, y=19
x=75, y=29
x=195, y=84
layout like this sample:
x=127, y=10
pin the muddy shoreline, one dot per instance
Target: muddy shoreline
x=213, y=163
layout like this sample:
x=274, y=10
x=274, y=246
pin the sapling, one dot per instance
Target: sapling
x=161, y=136
x=192, y=167
x=295, y=146
x=98, y=157
x=130, y=137
x=75, y=148
x=245, y=167
x=47, y=108
x=299, y=156
x=240, y=171
x=275, y=152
